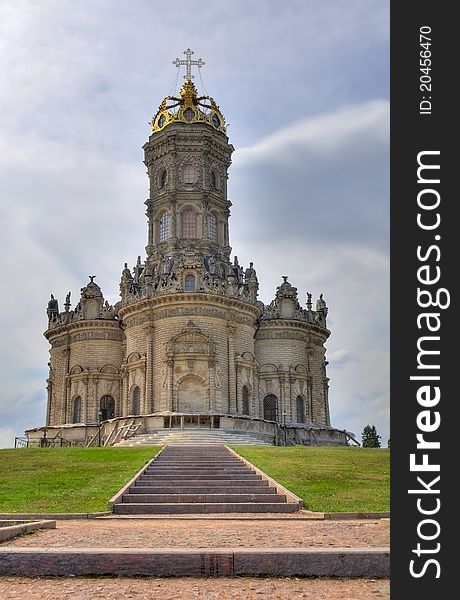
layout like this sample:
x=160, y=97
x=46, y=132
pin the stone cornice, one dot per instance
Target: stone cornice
x=69, y=328
x=290, y=324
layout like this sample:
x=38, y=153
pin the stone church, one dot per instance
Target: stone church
x=189, y=344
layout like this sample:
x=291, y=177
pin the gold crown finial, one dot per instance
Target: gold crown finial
x=189, y=108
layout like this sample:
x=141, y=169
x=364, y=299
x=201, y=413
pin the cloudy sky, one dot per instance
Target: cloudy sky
x=304, y=87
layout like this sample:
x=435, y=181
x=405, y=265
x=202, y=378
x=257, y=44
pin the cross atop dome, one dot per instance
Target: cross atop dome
x=188, y=62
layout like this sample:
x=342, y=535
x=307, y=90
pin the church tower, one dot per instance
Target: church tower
x=189, y=344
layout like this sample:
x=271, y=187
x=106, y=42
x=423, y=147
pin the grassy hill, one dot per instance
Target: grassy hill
x=328, y=479
x=55, y=480
x=66, y=479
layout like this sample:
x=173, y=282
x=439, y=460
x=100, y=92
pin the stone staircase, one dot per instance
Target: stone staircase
x=201, y=480
x=196, y=436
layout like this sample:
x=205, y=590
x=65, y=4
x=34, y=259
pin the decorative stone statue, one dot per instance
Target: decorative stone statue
x=250, y=273
x=67, y=303
x=53, y=308
x=238, y=270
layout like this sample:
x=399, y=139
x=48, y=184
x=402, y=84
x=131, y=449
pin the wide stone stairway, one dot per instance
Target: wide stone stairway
x=201, y=479
x=196, y=436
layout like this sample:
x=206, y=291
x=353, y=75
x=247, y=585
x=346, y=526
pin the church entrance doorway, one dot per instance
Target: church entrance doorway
x=191, y=421
x=191, y=396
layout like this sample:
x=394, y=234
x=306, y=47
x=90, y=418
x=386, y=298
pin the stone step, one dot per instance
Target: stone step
x=201, y=480
x=204, y=508
x=202, y=483
x=194, y=437
x=195, y=472
x=201, y=498
x=227, y=477
x=189, y=489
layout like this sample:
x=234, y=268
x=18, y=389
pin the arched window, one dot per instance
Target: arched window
x=76, y=410
x=189, y=174
x=165, y=222
x=189, y=283
x=136, y=406
x=270, y=407
x=300, y=408
x=212, y=227
x=245, y=400
x=189, y=224
x=163, y=178
x=107, y=408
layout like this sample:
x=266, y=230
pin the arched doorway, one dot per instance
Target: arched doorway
x=191, y=395
x=107, y=408
x=270, y=407
x=136, y=404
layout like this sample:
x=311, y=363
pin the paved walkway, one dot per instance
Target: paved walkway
x=17, y=588
x=209, y=533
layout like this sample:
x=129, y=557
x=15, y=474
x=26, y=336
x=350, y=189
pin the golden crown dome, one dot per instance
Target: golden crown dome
x=189, y=108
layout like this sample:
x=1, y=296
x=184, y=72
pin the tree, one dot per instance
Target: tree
x=371, y=439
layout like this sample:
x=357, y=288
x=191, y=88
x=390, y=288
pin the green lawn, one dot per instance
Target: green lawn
x=343, y=479
x=56, y=480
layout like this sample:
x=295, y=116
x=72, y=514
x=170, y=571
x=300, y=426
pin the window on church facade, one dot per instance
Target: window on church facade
x=189, y=283
x=270, y=407
x=189, y=224
x=163, y=178
x=165, y=222
x=189, y=174
x=212, y=227
x=107, y=408
x=76, y=410
x=300, y=406
x=214, y=180
x=245, y=400
x=136, y=407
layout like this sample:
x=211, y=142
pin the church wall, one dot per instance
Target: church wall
x=77, y=357
x=231, y=332
x=279, y=345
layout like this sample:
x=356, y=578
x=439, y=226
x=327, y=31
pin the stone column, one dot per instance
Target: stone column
x=65, y=392
x=49, y=394
x=172, y=401
x=292, y=415
x=173, y=209
x=326, y=400
x=231, y=370
x=68, y=408
x=282, y=399
x=149, y=399
x=96, y=400
x=125, y=392
x=86, y=399
x=238, y=378
x=212, y=384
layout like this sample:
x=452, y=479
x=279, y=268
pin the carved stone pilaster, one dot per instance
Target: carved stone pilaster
x=231, y=369
x=149, y=387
